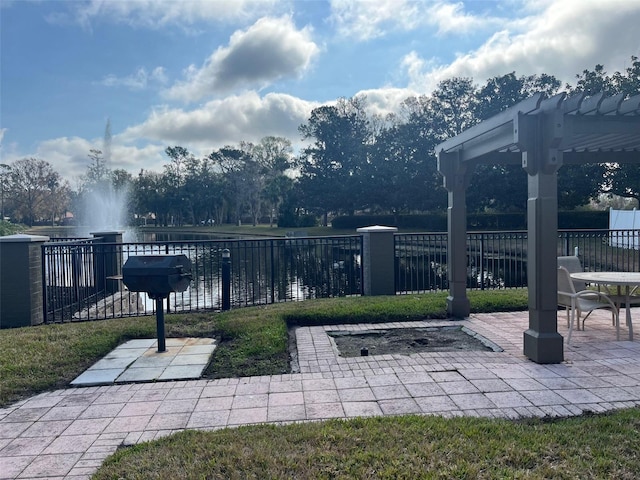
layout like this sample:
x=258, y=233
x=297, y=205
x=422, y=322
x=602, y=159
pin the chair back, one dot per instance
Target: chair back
x=565, y=283
x=573, y=265
x=565, y=287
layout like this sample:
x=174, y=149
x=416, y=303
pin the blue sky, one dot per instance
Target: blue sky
x=205, y=73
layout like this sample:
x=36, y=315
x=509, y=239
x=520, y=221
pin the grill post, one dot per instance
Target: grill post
x=158, y=276
x=162, y=345
x=226, y=279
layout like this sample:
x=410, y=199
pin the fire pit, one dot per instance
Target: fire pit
x=158, y=276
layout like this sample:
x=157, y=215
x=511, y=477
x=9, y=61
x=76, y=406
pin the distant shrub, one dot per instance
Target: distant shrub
x=8, y=228
x=291, y=220
x=437, y=222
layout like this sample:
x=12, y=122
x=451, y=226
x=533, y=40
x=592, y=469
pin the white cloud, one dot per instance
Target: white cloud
x=69, y=156
x=133, y=159
x=157, y=14
x=384, y=101
x=451, y=18
x=138, y=80
x=246, y=117
x=366, y=20
x=561, y=39
x=270, y=49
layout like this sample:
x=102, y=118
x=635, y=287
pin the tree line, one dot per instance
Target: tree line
x=353, y=162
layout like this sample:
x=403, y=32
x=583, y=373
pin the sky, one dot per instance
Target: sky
x=207, y=73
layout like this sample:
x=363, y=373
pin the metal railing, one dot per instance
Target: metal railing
x=603, y=250
x=82, y=280
x=68, y=277
x=499, y=259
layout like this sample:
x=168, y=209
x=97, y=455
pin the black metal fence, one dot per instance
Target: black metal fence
x=603, y=250
x=81, y=277
x=68, y=278
x=499, y=259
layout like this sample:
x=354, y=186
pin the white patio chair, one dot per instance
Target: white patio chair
x=584, y=301
x=573, y=265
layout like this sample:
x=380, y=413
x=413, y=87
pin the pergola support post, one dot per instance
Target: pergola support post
x=542, y=342
x=541, y=160
x=456, y=181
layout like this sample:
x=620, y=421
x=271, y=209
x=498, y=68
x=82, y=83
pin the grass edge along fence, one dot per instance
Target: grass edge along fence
x=274, y=270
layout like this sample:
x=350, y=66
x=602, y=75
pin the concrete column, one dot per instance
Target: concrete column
x=21, y=289
x=108, y=262
x=456, y=180
x=378, y=260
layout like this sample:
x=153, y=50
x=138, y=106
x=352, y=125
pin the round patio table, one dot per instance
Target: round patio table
x=619, y=279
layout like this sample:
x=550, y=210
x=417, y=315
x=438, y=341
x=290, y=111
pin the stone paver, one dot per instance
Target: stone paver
x=68, y=433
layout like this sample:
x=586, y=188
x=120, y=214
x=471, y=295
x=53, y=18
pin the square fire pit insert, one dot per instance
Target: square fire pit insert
x=407, y=341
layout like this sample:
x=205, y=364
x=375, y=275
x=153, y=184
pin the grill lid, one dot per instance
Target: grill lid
x=157, y=275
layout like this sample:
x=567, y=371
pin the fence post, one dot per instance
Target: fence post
x=108, y=262
x=378, y=260
x=21, y=284
x=226, y=279
x=273, y=275
x=482, y=269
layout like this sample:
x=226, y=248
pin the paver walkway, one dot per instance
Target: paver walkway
x=67, y=434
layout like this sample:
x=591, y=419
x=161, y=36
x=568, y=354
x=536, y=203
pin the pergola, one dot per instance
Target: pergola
x=541, y=134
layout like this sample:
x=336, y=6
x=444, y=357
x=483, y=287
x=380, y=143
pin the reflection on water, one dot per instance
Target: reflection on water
x=132, y=235
x=145, y=236
x=267, y=271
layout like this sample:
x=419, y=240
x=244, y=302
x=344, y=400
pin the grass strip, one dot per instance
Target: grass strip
x=406, y=447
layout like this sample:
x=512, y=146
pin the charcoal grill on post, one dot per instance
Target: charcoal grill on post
x=158, y=276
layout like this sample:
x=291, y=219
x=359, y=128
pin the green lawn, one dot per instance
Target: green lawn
x=405, y=447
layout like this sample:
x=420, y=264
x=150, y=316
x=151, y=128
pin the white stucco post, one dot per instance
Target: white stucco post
x=378, y=260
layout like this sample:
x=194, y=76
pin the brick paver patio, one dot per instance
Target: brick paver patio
x=66, y=434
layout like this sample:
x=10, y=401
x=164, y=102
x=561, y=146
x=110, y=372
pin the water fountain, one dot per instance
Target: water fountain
x=105, y=209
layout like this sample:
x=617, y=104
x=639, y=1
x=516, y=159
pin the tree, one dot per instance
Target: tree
x=33, y=184
x=58, y=199
x=331, y=168
x=148, y=197
x=624, y=180
x=452, y=107
x=628, y=82
x=98, y=176
x=121, y=180
x=592, y=81
x=203, y=189
x=174, y=182
x=4, y=188
x=404, y=169
x=235, y=164
x=274, y=157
